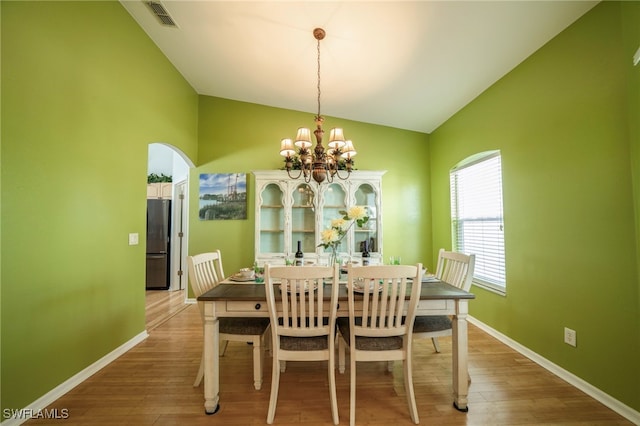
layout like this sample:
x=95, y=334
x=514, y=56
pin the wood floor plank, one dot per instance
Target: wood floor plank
x=152, y=385
x=162, y=305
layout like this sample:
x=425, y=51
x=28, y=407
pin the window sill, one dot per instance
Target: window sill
x=502, y=291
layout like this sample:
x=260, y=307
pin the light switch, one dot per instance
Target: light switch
x=133, y=239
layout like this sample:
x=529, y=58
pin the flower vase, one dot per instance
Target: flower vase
x=333, y=257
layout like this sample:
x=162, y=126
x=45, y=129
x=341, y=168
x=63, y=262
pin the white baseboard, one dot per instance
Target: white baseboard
x=617, y=406
x=39, y=405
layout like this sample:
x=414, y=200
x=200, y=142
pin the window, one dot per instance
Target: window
x=476, y=216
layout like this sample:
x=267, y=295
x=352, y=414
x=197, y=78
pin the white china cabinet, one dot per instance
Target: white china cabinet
x=291, y=210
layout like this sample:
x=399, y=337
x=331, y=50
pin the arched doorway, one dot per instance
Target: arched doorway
x=168, y=184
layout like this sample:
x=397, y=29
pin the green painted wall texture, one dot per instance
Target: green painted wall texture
x=84, y=91
x=80, y=104
x=560, y=120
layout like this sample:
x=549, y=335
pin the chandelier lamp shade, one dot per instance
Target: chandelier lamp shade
x=319, y=164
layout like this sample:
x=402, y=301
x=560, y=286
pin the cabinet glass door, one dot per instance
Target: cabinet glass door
x=334, y=201
x=366, y=196
x=303, y=219
x=272, y=220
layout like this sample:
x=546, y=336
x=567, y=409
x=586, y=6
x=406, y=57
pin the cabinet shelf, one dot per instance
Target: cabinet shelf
x=295, y=210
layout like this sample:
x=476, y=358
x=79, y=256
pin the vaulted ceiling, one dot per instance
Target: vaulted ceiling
x=410, y=64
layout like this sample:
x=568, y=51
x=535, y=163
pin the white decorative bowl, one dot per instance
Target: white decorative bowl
x=246, y=273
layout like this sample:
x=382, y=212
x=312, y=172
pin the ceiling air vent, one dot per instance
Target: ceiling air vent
x=162, y=14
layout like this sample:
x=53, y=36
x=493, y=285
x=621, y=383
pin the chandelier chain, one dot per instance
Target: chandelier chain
x=318, y=78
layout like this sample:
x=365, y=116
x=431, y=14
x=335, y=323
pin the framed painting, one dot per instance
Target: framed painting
x=223, y=196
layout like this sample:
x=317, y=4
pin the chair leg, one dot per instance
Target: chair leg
x=224, y=347
x=408, y=387
x=436, y=345
x=352, y=392
x=257, y=362
x=283, y=366
x=200, y=374
x=332, y=389
x=267, y=341
x=273, y=399
x=341, y=355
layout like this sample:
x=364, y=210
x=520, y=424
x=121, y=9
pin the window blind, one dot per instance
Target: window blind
x=477, y=220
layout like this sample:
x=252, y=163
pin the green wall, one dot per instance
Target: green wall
x=561, y=120
x=84, y=91
x=241, y=137
x=631, y=38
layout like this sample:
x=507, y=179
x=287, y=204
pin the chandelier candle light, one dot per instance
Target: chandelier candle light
x=318, y=164
x=331, y=237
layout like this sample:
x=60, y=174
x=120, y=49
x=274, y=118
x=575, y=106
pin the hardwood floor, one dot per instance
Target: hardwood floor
x=152, y=385
x=162, y=305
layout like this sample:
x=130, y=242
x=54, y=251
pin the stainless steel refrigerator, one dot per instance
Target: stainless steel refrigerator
x=158, y=234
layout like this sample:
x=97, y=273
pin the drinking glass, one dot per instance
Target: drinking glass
x=258, y=269
x=395, y=260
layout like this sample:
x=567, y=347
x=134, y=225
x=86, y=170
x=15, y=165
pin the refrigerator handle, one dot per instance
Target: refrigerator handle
x=156, y=256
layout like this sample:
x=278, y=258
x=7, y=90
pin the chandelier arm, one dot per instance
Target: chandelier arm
x=294, y=177
x=337, y=173
x=330, y=176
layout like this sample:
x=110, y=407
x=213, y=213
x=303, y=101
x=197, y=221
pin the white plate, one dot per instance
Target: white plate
x=430, y=278
x=240, y=278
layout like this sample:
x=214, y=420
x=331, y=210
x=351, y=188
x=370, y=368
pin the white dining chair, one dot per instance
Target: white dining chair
x=302, y=324
x=453, y=268
x=382, y=331
x=205, y=272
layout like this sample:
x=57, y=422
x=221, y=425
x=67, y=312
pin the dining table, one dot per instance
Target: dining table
x=248, y=299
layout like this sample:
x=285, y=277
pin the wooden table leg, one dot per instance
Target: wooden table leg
x=211, y=360
x=460, y=362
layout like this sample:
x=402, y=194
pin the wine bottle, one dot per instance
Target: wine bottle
x=365, y=254
x=299, y=255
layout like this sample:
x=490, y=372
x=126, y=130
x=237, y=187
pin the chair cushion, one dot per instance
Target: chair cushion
x=431, y=323
x=243, y=326
x=317, y=343
x=368, y=343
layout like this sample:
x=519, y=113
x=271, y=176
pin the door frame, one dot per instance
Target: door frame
x=179, y=235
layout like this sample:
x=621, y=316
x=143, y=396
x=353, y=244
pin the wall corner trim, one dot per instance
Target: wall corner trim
x=624, y=410
x=57, y=392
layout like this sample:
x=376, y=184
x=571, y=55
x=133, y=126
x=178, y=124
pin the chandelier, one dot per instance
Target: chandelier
x=318, y=164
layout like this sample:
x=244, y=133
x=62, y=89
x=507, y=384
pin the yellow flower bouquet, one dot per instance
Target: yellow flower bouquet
x=332, y=236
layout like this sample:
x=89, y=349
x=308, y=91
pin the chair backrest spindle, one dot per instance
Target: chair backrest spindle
x=456, y=268
x=384, y=291
x=205, y=272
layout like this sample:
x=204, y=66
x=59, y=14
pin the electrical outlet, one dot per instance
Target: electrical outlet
x=570, y=336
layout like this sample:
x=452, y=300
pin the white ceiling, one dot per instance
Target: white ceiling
x=409, y=65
